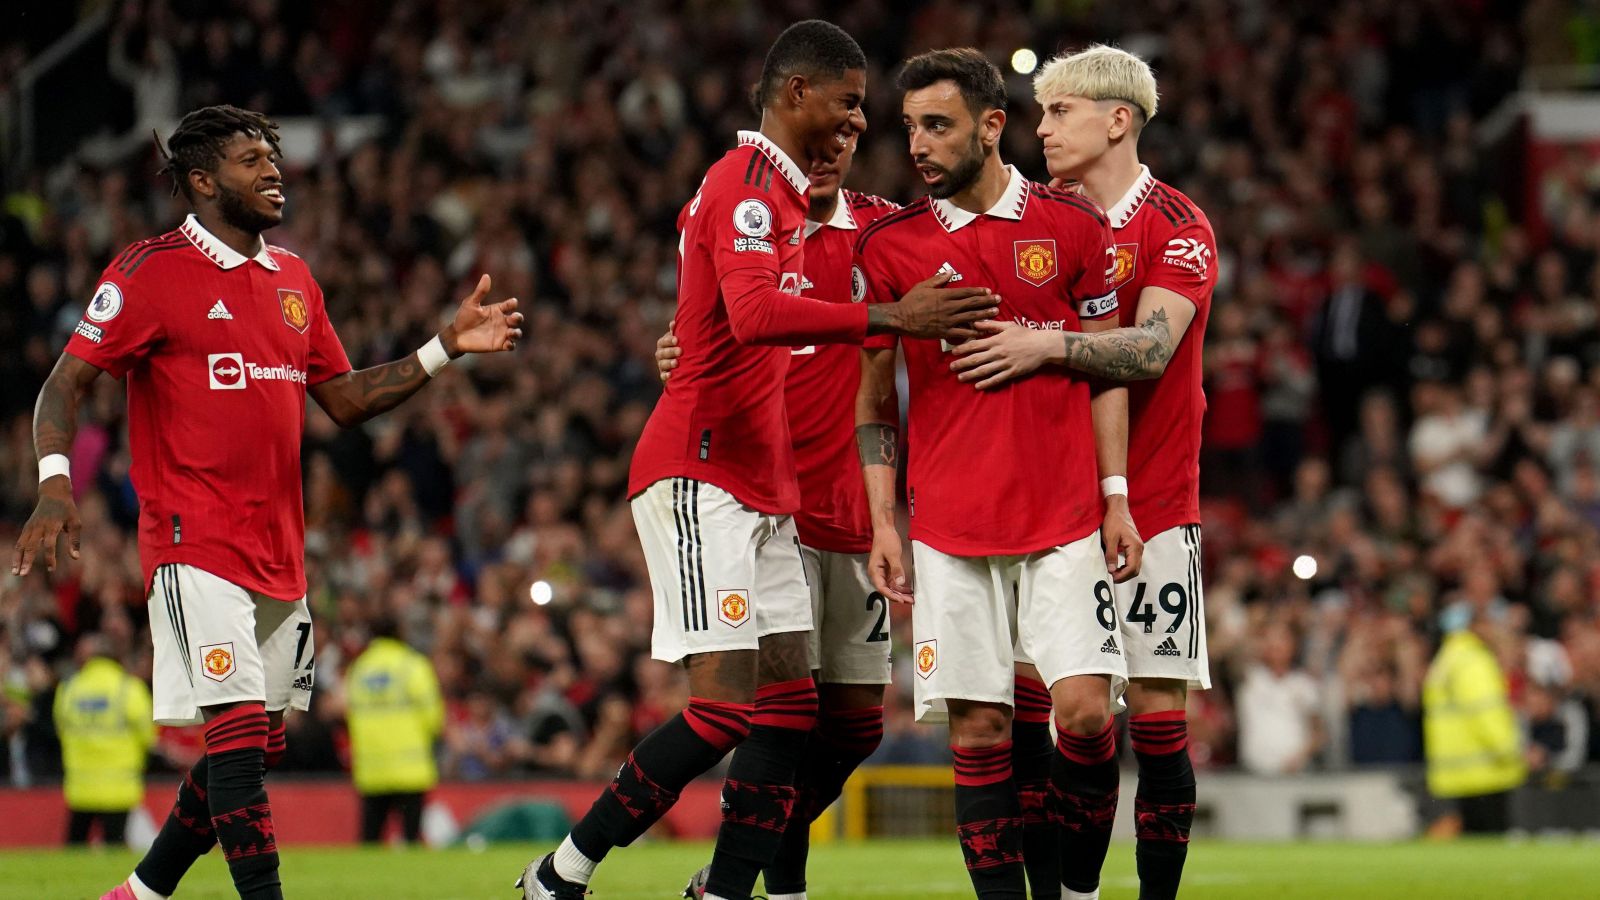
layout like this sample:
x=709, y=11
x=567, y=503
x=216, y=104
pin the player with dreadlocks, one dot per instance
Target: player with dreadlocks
x=220, y=337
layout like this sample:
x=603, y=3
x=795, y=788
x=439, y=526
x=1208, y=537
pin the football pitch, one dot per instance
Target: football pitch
x=876, y=870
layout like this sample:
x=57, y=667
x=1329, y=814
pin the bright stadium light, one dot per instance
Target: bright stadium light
x=1305, y=567
x=1024, y=61
x=541, y=592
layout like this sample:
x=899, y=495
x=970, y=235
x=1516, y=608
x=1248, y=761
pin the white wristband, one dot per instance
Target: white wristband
x=1113, y=484
x=53, y=465
x=433, y=357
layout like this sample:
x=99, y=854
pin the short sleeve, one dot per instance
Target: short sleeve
x=1093, y=295
x=1187, y=264
x=869, y=283
x=741, y=229
x=326, y=358
x=120, y=327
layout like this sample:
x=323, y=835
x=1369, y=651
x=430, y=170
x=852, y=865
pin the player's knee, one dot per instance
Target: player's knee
x=1083, y=721
x=1151, y=695
x=978, y=725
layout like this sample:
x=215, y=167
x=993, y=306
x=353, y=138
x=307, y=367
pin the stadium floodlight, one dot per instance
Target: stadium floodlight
x=1305, y=567
x=1024, y=61
x=541, y=592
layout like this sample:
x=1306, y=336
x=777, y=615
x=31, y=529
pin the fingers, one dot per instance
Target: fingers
x=969, y=298
x=50, y=534
x=1134, y=554
x=988, y=369
x=479, y=292
x=974, y=316
x=74, y=535
x=20, y=557
x=967, y=349
x=998, y=379
x=990, y=326
x=939, y=279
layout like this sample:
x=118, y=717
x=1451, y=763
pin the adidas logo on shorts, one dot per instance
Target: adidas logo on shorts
x=1110, y=646
x=1168, y=648
x=305, y=682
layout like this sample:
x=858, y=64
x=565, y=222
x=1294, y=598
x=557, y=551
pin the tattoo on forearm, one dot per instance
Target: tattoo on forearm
x=878, y=444
x=1123, y=354
x=382, y=388
x=55, y=417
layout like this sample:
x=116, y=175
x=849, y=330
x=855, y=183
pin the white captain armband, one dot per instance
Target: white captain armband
x=1099, y=306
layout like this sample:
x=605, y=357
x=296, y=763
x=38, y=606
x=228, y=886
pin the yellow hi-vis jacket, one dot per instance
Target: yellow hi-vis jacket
x=1473, y=744
x=103, y=716
x=395, y=715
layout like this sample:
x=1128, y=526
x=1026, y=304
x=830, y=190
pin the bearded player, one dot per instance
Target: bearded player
x=220, y=337
x=1015, y=549
x=849, y=646
x=713, y=484
x=1095, y=102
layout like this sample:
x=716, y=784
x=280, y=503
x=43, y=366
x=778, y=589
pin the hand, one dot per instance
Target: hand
x=886, y=566
x=1007, y=352
x=667, y=352
x=931, y=310
x=55, y=513
x=483, y=329
x=1121, y=540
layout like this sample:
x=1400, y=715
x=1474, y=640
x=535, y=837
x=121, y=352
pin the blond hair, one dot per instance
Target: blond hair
x=1099, y=72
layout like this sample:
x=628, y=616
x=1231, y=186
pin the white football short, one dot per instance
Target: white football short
x=975, y=617
x=216, y=643
x=1163, y=611
x=850, y=643
x=723, y=574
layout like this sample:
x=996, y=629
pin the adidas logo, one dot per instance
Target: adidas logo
x=1168, y=647
x=307, y=681
x=218, y=311
x=1110, y=646
x=950, y=270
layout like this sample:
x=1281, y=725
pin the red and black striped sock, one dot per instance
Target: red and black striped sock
x=841, y=742
x=277, y=745
x=1084, y=776
x=1164, y=804
x=648, y=782
x=758, y=796
x=989, y=821
x=1031, y=753
x=236, y=746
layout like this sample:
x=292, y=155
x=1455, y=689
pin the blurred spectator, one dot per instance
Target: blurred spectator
x=1277, y=704
x=104, y=717
x=1474, y=748
x=395, y=715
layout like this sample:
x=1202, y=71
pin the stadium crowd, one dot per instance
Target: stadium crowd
x=1404, y=382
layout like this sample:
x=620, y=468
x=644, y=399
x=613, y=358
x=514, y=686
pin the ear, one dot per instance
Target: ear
x=203, y=183
x=993, y=125
x=795, y=88
x=1121, y=122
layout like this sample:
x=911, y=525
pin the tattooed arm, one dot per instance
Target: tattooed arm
x=354, y=397
x=55, y=424
x=1134, y=353
x=878, y=442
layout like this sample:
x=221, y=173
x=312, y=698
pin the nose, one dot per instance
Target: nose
x=271, y=170
x=1043, y=131
x=919, y=147
x=858, y=120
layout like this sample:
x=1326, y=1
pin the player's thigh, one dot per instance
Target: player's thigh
x=963, y=629
x=1067, y=615
x=1162, y=611
x=204, y=633
x=781, y=599
x=288, y=652
x=852, y=630
x=700, y=547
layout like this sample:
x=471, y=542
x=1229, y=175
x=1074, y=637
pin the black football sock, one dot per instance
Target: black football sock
x=236, y=748
x=758, y=794
x=989, y=821
x=185, y=836
x=841, y=742
x=1031, y=753
x=1164, y=804
x=648, y=783
x=1084, y=776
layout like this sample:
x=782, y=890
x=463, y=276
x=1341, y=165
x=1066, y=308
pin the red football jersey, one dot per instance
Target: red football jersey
x=721, y=417
x=218, y=350
x=1164, y=240
x=1011, y=470
x=821, y=389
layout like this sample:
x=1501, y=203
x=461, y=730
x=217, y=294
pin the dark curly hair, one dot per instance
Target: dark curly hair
x=981, y=84
x=198, y=140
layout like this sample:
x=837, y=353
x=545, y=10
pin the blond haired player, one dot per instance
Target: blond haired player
x=1094, y=104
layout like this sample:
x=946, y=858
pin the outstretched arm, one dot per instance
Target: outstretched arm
x=354, y=397
x=55, y=424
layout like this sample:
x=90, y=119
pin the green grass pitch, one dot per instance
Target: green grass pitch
x=876, y=870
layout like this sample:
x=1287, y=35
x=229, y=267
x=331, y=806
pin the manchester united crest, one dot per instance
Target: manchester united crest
x=216, y=661
x=1036, y=261
x=927, y=657
x=295, y=314
x=733, y=607
x=1127, y=256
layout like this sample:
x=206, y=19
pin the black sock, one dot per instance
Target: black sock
x=1164, y=805
x=648, y=783
x=1031, y=753
x=1084, y=777
x=989, y=822
x=236, y=749
x=841, y=742
x=185, y=836
x=758, y=795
